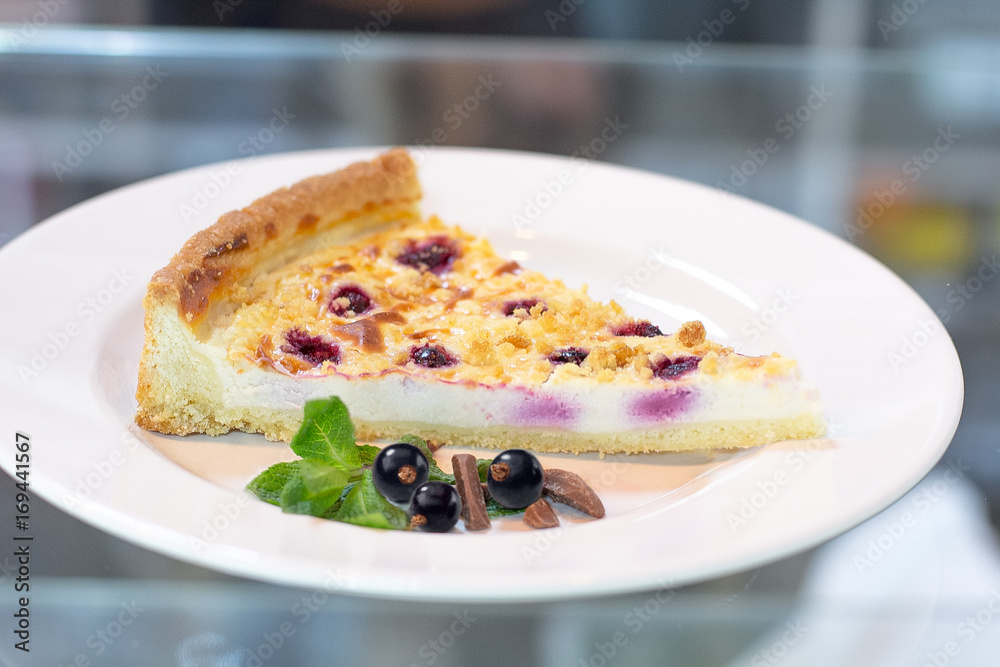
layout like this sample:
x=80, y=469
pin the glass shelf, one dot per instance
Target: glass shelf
x=822, y=134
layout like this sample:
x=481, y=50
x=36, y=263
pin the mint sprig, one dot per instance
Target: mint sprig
x=333, y=479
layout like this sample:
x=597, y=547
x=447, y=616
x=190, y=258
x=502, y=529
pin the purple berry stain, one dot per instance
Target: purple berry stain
x=435, y=254
x=534, y=410
x=638, y=328
x=569, y=355
x=511, y=307
x=314, y=349
x=662, y=406
x=432, y=356
x=671, y=368
x=357, y=301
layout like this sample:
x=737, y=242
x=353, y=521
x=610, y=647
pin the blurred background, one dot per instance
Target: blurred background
x=878, y=120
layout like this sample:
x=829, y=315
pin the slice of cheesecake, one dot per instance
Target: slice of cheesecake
x=336, y=287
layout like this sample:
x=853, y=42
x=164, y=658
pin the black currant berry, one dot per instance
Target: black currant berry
x=398, y=470
x=349, y=301
x=640, y=328
x=568, y=355
x=434, y=507
x=435, y=254
x=515, y=478
x=432, y=356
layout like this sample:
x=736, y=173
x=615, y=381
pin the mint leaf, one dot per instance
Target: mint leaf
x=268, y=484
x=434, y=471
x=327, y=434
x=314, y=488
x=332, y=512
x=495, y=509
x=368, y=454
x=364, y=499
x=372, y=520
x=483, y=465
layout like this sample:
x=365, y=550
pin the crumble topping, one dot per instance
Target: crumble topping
x=426, y=299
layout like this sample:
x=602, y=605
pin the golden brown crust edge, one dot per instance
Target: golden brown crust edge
x=224, y=254
x=176, y=392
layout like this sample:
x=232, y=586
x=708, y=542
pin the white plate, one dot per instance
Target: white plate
x=759, y=279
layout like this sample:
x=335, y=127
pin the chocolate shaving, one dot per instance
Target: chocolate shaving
x=467, y=482
x=569, y=488
x=540, y=514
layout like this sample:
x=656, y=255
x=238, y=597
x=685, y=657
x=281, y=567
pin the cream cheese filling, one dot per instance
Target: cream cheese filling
x=584, y=406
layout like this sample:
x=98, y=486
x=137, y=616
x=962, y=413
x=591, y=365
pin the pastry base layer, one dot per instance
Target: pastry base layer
x=677, y=438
